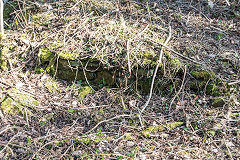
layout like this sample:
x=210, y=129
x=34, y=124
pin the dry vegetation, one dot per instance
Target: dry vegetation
x=120, y=79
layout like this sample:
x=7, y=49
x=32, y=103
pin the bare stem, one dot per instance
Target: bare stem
x=1, y=18
x=156, y=69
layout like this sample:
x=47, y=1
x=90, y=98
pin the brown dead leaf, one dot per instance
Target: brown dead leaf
x=193, y=101
x=182, y=103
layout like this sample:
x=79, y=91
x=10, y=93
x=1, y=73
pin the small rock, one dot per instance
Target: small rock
x=19, y=85
x=67, y=96
x=26, y=41
x=164, y=135
x=210, y=4
x=44, y=77
x=74, y=103
x=229, y=144
x=132, y=103
x=21, y=150
x=57, y=103
x=218, y=102
x=77, y=153
x=215, y=150
x=130, y=143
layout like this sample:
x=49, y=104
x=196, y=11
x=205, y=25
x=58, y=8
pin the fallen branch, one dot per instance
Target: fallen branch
x=232, y=83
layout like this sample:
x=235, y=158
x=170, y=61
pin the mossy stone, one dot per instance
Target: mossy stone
x=44, y=55
x=197, y=84
x=42, y=19
x=18, y=102
x=105, y=78
x=12, y=107
x=213, y=89
x=218, y=102
x=67, y=56
x=84, y=91
x=9, y=106
x=153, y=130
x=173, y=61
x=23, y=98
x=203, y=75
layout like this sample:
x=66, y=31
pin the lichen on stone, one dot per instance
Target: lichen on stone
x=9, y=106
x=67, y=55
x=174, y=62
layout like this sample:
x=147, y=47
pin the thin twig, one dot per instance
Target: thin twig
x=156, y=69
x=227, y=2
x=232, y=83
x=42, y=148
x=85, y=75
x=2, y=116
x=9, y=142
x=1, y=19
x=15, y=145
x=11, y=86
x=6, y=84
x=184, y=76
x=229, y=152
x=72, y=7
x=83, y=108
x=175, y=52
x=8, y=128
x=128, y=47
x=107, y=120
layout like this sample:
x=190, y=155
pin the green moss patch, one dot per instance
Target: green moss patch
x=203, y=75
x=206, y=81
x=3, y=61
x=100, y=50
x=84, y=91
x=18, y=102
x=44, y=55
x=68, y=55
x=173, y=62
x=23, y=98
x=154, y=130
